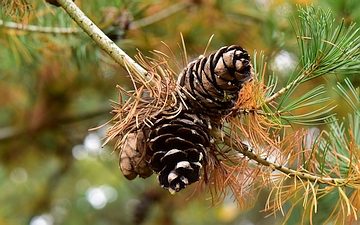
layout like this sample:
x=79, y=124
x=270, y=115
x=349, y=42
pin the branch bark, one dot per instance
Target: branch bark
x=303, y=175
x=40, y=29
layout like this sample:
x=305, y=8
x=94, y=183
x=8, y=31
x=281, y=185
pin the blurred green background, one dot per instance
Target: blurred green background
x=55, y=86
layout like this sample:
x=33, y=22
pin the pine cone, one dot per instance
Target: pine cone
x=179, y=148
x=133, y=157
x=211, y=84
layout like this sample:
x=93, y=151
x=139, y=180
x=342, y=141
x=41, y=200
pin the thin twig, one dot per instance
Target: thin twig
x=99, y=37
x=243, y=111
x=158, y=16
x=282, y=90
x=73, y=30
x=298, y=80
x=40, y=29
x=304, y=175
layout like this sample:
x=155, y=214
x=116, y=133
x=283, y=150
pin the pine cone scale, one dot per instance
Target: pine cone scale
x=158, y=142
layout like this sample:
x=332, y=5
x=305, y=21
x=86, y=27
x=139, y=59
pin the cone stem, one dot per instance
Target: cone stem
x=99, y=37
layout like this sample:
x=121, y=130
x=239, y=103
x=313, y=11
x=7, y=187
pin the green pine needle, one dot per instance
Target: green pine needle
x=341, y=139
x=304, y=100
x=325, y=47
x=352, y=98
x=315, y=117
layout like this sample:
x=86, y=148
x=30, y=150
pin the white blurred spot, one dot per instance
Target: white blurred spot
x=79, y=152
x=102, y=130
x=96, y=197
x=44, y=219
x=284, y=61
x=91, y=149
x=100, y=196
x=110, y=193
x=18, y=175
x=264, y=5
x=92, y=143
x=311, y=137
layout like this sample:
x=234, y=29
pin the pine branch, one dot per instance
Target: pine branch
x=326, y=48
x=283, y=90
x=316, y=165
x=40, y=29
x=246, y=150
x=100, y=38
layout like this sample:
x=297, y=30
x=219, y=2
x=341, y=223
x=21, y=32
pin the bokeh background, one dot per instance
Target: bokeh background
x=55, y=85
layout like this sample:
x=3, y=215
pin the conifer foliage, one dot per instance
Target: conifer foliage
x=221, y=122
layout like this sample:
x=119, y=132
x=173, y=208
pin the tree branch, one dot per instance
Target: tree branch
x=99, y=37
x=40, y=29
x=303, y=175
x=282, y=90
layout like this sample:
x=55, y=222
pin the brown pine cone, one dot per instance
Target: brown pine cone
x=211, y=84
x=179, y=148
x=133, y=157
